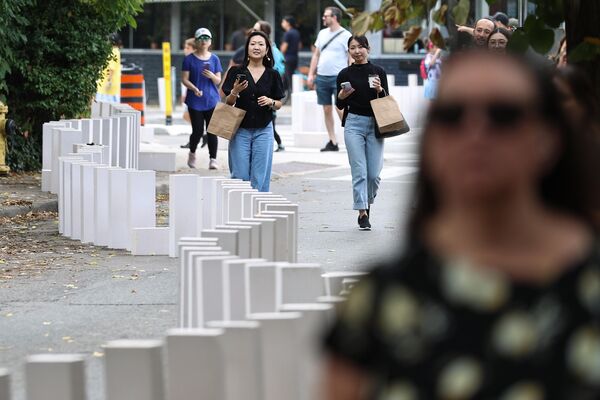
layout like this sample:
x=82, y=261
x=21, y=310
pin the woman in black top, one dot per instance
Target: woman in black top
x=498, y=293
x=362, y=82
x=257, y=88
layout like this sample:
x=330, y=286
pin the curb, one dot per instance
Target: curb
x=13, y=211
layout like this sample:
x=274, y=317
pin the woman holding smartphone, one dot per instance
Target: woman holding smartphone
x=357, y=85
x=202, y=76
x=257, y=88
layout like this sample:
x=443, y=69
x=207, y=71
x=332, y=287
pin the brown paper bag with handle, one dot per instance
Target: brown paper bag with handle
x=389, y=120
x=225, y=120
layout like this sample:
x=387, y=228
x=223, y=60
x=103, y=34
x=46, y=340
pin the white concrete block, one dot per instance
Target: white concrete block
x=207, y=289
x=267, y=236
x=254, y=236
x=207, y=187
x=234, y=287
x=333, y=280
x=147, y=134
x=224, y=199
x=217, y=195
x=158, y=161
x=262, y=282
x=88, y=202
x=186, y=288
x=185, y=208
x=235, y=201
x=256, y=197
x=5, y=384
x=134, y=370
x=331, y=300
x=299, y=283
x=63, y=140
x=115, y=144
x=141, y=201
x=77, y=199
x=280, y=358
x=102, y=205
x=294, y=208
x=188, y=241
x=118, y=209
x=64, y=194
x=228, y=238
x=282, y=241
x=242, y=357
x=292, y=233
x=46, y=180
x=47, y=147
x=244, y=245
x=195, y=364
x=150, y=241
x=55, y=377
x=96, y=109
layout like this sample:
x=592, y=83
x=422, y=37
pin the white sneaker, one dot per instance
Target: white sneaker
x=191, y=160
x=212, y=164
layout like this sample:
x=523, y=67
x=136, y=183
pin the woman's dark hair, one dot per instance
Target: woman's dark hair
x=580, y=86
x=504, y=32
x=265, y=27
x=268, y=58
x=361, y=39
x=290, y=20
x=571, y=183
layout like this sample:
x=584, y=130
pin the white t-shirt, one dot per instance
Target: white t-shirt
x=335, y=56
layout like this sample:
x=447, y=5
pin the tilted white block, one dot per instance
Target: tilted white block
x=55, y=377
x=63, y=140
x=189, y=241
x=102, y=205
x=300, y=283
x=158, y=160
x=316, y=319
x=4, y=384
x=186, y=289
x=96, y=109
x=77, y=199
x=134, y=370
x=228, y=238
x=294, y=208
x=256, y=197
x=223, y=199
x=234, y=287
x=46, y=180
x=47, y=151
x=195, y=364
x=254, y=236
x=217, y=194
x=64, y=194
x=208, y=207
x=280, y=358
x=242, y=357
x=267, y=236
x=150, y=241
x=207, y=289
x=244, y=244
x=333, y=280
x=87, y=129
x=282, y=240
x=185, y=208
x=331, y=299
x=147, y=134
x=88, y=203
x=262, y=284
x=115, y=143
x=119, y=233
x=235, y=209
x=141, y=201
x=292, y=231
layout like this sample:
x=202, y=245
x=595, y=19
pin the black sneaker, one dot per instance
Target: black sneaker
x=363, y=223
x=369, y=211
x=330, y=147
x=185, y=146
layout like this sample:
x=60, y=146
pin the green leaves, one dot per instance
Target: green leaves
x=588, y=50
x=461, y=12
x=535, y=34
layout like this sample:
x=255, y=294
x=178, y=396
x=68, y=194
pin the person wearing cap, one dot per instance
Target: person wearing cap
x=201, y=74
x=501, y=20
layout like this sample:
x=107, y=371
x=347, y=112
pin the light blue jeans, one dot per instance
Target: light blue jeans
x=365, y=154
x=251, y=156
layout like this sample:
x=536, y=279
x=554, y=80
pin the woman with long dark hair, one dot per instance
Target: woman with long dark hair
x=257, y=88
x=497, y=295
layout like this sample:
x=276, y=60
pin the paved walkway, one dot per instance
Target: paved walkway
x=62, y=296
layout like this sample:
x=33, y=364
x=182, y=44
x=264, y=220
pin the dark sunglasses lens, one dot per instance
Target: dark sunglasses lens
x=448, y=114
x=505, y=115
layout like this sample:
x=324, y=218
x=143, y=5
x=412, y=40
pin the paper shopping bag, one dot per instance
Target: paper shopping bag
x=390, y=121
x=225, y=120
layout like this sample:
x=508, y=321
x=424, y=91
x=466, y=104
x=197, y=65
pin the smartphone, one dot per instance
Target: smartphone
x=241, y=77
x=346, y=86
x=206, y=65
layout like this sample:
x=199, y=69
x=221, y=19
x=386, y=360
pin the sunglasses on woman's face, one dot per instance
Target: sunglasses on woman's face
x=498, y=114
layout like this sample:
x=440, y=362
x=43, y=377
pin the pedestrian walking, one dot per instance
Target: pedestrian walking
x=357, y=85
x=328, y=59
x=189, y=46
x=201, y=74
x=290, y=45
x=496, y=293
x=433, y=67
x=257, y=88
x=109, y=86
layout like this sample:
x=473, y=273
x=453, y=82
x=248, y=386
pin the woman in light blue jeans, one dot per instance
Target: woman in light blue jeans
x=357, y=85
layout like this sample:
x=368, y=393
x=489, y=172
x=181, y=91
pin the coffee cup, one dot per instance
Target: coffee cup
x=372, y=80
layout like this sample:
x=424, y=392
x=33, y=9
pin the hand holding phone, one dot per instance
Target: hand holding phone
x=240, y=77
x=346, y=86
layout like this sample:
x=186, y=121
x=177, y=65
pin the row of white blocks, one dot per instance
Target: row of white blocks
x=114, y=130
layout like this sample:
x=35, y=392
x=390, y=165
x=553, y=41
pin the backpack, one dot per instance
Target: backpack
x=278, y=60
x=423, y=69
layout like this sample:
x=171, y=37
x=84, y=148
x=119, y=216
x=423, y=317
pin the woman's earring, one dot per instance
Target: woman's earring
x=268, y=59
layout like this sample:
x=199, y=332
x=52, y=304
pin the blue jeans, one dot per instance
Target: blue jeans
x=251, y=156
x=326, y=89
x=365, y=154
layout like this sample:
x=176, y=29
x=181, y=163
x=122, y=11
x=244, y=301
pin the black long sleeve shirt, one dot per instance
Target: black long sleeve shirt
x=358, y=76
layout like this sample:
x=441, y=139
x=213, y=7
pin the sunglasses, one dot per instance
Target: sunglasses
x=204, y=38
x=498, y=114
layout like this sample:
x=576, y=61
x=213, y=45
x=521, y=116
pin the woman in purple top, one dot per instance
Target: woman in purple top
x=202, y=76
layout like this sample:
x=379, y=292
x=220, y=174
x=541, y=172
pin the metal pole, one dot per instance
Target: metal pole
x=176, y=26
x=222, y=26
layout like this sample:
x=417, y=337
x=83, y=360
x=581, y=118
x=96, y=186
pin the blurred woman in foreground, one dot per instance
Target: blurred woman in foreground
x=498, y=293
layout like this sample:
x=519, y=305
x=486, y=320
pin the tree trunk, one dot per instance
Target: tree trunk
x=582, y=19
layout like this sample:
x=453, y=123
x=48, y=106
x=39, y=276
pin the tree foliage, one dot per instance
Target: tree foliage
x=57, y=52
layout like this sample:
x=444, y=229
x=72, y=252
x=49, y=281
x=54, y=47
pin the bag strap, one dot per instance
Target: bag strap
x=384, y=93
x=332, y=39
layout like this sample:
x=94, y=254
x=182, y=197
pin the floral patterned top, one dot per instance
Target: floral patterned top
x=426, y=329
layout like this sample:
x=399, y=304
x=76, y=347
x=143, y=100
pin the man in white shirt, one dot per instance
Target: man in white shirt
x=329, y=58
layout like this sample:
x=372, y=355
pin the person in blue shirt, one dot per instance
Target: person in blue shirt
x=202, y=76
x=290, y=44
